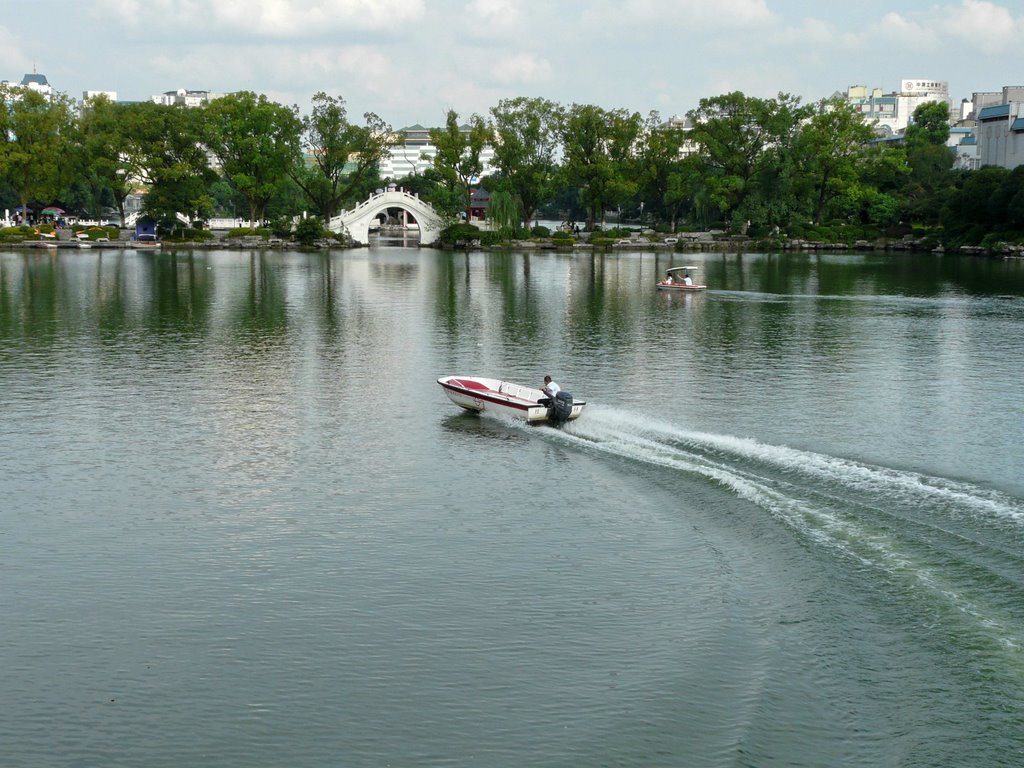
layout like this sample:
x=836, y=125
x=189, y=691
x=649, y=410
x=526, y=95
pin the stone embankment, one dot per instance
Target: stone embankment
x=1000, y=250
x=712, y=242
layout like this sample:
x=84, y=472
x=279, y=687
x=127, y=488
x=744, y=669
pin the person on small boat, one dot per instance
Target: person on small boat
x=550, y=389
x=687, y=280
x=668, y=278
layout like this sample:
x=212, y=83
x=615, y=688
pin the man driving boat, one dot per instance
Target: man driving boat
x=550, y=389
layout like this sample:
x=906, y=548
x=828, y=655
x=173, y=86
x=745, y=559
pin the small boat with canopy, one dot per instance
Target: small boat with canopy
x=680, y=279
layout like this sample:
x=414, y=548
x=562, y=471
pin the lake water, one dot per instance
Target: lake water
x=241, y=525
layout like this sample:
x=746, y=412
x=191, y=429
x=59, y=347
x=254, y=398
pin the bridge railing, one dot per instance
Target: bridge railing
x=375, y=197
x=227, y=223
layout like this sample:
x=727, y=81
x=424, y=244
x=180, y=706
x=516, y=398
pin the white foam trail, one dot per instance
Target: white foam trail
x=797, y=487
x=827, y=529
x=956, y=497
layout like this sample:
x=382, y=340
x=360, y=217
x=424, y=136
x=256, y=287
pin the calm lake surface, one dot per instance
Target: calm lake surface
x=241, y=525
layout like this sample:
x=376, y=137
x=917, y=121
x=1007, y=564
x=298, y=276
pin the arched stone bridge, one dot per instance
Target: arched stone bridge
x=357, y=221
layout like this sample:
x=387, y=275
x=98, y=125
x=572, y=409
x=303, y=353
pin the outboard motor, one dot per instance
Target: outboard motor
x=561, y=408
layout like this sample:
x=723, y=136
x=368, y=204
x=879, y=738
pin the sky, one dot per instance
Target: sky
x=409, y=61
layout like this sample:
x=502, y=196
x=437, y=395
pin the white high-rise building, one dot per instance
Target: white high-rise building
x=413, y=154
x=34, y=82
x=891, y=112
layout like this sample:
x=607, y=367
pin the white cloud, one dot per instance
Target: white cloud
x=682, y=13
x=126, y=12
x=364, y=62
x=407, y=60
x=494, y=19
x=521, y=68
x=903, y=32
x=12, y=58
x=265, y=18
x=270, y=17
x=809, y=32
x=303, y=19
x=503, y=12
x=983, y=23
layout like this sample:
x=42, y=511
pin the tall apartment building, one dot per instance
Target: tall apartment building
x=413, y=154
x=34, y=82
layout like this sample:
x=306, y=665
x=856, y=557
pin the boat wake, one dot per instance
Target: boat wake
x=959, y=544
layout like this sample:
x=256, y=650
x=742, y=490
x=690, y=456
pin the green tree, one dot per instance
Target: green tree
x=884, y=167
x=929, y=125
x=422, y=184
x=105, y=149
x=227, y=201
x=747, y=146
x=288, y=198
x=1008, y=202
x=343, y=156
x=310, y=229
x=458, y=161
x=778, y=177
x=503, y=209
x=35, y=143
x=664, y=175
x=970, y=214
x=831, y=146
x=167, y=154
x=600, y=148
x=929, y=182
x=257, y=143
x=526, y=149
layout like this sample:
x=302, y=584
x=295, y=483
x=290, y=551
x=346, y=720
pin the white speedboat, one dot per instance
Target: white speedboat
x=475, y=393
x=680, y=279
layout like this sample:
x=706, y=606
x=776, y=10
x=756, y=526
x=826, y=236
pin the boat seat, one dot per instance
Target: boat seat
x=468, y=384
x=478, y=387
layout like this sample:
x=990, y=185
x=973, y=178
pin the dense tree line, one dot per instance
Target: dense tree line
x=764, y=167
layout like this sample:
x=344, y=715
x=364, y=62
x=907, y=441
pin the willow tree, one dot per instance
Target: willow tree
x=257, y=143
x=503, y=209
x=343, y=157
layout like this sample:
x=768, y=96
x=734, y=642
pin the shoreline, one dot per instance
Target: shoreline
x=731, y=245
